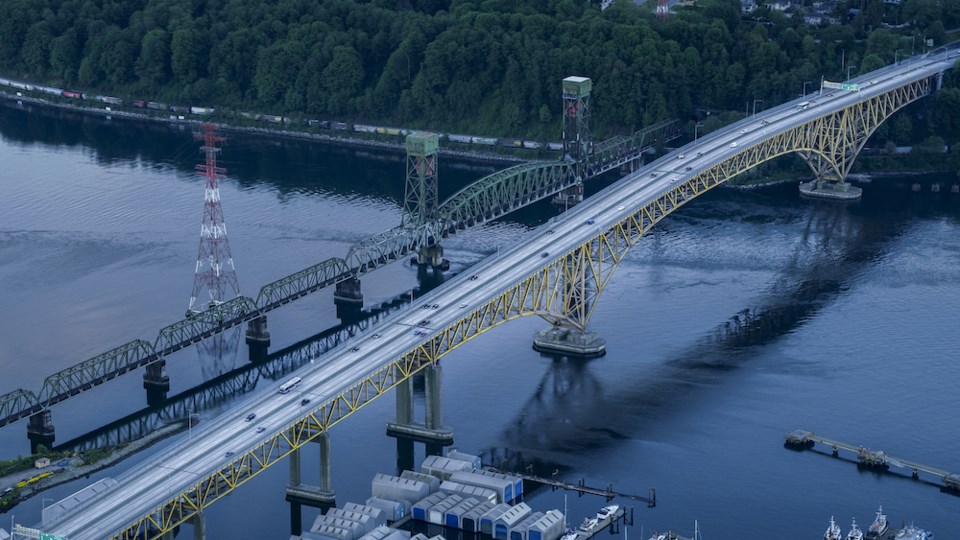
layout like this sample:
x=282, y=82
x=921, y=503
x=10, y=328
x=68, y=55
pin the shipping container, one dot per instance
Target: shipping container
x=363, y=128
x=339, y=125
x=460, y=138
x=486, y=141
x=533, y=145
x=555, y=146
x=201, y=110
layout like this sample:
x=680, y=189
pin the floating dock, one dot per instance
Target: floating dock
x=800, y=439
x=581, y=487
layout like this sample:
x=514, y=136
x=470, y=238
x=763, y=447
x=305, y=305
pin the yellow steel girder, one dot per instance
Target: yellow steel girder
x=563, y=290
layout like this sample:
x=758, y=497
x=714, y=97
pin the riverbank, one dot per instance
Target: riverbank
x=352, y=140
x=78, y=467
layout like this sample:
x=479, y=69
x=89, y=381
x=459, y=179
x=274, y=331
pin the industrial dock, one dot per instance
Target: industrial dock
x=879, y=460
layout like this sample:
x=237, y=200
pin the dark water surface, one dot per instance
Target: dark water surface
x=853, y=313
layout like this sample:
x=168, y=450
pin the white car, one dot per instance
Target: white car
x=733, y=144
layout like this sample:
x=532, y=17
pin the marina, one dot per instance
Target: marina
x=800, y=439
x=449, y=497
x=879, y=530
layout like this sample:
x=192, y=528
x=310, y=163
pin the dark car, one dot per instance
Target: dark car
x=423, y=323
x=544, y=254
x=474, y=277
x=591, y=221
x=304, y=401
x=251, y=416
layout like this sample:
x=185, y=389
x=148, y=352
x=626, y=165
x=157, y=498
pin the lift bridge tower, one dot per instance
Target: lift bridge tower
x=577, y=141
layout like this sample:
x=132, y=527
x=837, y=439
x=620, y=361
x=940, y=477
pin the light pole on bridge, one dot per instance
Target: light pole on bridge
x=755, y=105
x=805, y=83
x=848, y=72
x=695, y=129
x=896, y=55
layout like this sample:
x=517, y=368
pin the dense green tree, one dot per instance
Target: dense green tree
x=153, y=65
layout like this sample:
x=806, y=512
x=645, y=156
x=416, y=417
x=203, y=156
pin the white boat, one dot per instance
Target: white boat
x=855, y=532
x=570, y=535
x=879, y=525
x=914, y=533
x=608, y=511
x=833, y=531
x=588, y=524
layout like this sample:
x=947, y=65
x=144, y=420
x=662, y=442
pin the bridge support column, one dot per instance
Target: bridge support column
x=349, y=299
x=258, y=339
x=298, y=494
x=569, y=341
x=199, y=522
x=156, y=382
x=569, y=197
x=40, y=431
x=431, y=432
x=432, y=257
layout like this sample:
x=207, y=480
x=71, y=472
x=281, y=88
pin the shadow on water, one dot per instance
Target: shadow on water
x=572, y=411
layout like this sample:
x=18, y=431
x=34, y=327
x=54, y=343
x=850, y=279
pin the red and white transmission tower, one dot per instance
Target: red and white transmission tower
x=663, y=9
x=214, y=270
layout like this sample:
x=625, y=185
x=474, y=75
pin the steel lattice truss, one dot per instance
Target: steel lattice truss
x=302, y=283
x=205, y=324
x=96, y=370
x=617, y=151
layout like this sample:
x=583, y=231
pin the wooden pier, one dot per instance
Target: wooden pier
x=872, y=459
x=581, y=487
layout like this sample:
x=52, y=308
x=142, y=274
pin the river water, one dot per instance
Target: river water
x=745, y=315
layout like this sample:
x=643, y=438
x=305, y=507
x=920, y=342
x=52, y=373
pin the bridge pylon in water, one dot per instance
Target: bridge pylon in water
x=420, y=201
x=832, y=142
x=577, y=141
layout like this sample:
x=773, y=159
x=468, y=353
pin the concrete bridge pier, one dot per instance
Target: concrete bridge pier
x=569, y=197
x=40, y=430
x=431, y=432
x=568, y=341
x=348, y=298
x=258, y=339
x=199, y=523
x=299, y=494
x=156, y=382
x=432, y=257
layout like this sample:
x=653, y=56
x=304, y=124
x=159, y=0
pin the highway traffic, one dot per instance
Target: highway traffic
x=221, y=440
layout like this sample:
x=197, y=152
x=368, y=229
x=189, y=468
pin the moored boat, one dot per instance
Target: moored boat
x=914, y=533
x=855, y=532
x=879, y=525
x=833, y=531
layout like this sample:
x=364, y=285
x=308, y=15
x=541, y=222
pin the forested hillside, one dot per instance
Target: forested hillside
x=479, y=66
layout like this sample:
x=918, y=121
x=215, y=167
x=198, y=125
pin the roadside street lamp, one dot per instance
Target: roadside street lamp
x=805, y=83
x=848, y=72
x=896, y=55
x=755, y=105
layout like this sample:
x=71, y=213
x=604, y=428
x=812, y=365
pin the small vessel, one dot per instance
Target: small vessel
x=879, y=525
x=833, y=531
x=855, y=532
x=914, y=533
x=589, y=524
x=607, y=511
x=571, y=534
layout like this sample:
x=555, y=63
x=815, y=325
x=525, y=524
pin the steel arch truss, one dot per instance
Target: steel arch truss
x=384, y=248
x=830, y=143
x=504, y=191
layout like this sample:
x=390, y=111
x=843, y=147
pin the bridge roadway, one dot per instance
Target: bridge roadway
x=158, y=480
